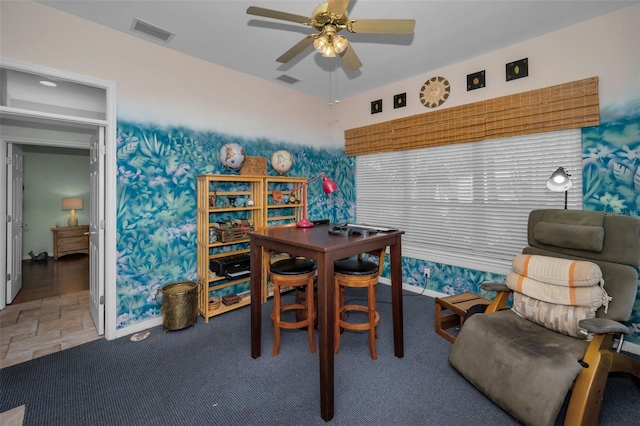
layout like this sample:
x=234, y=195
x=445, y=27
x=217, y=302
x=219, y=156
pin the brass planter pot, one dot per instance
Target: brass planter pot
x=179, y=305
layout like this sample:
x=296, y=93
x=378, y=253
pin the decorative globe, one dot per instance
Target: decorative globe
x=281, y=161
x=232, y=156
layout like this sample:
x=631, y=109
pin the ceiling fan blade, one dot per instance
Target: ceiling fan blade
x=274, y=14
x=297, y=49
x=337, y=7
x=350, y=58
x=382, y=26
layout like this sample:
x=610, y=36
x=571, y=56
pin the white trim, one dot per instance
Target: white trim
x=3, y=228
x=46, y=142
x=19, y=112
x=631, y=347
x=414, y=288
x=111, y=169
x=144, y=325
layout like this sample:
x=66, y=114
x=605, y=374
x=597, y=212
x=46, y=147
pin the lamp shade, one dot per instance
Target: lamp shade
x=559, y=181
x=340, y=44
x=328, y=186
x=72, y=204
x=321, y=44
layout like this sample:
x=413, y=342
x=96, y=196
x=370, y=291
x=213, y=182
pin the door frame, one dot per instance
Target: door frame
x=109, y=172
x=15, y=227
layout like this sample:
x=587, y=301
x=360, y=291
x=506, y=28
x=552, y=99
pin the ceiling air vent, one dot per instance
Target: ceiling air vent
x=150, y=30
x=287, y=79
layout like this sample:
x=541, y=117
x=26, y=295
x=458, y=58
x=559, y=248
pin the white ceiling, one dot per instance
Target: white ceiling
x=446, y=32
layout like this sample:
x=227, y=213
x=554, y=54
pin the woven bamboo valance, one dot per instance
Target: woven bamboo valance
x=565, y=106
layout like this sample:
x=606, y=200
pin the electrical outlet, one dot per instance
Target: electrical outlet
x=427, y=273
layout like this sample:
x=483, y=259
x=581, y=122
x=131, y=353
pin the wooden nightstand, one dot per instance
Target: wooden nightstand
x=70, y=240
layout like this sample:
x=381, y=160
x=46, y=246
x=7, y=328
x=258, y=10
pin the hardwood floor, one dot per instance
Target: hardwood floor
x=50, y=278
x=51, y=311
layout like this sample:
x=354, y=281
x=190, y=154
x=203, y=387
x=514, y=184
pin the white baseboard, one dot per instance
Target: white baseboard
x=414, y=288
x=626, y=346
x=125, y=331
x=154, y=322
x=631, y=347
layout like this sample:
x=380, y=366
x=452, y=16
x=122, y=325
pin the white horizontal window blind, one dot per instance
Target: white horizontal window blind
x=467, y=204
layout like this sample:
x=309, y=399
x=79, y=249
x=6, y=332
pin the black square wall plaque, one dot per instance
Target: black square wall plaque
x=475, y=80
x=376, y=106
x=518, y=69
x=400, y=100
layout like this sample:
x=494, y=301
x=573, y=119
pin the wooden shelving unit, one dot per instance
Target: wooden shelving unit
x=285, y=211
x=223, y=198
x=223, y=201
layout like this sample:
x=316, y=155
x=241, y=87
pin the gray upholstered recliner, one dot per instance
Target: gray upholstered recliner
x=528, y=369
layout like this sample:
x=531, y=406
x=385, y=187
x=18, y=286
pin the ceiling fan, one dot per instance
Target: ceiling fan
x=329, y=19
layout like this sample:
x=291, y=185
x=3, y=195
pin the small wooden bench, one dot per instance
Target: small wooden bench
x=459, y=304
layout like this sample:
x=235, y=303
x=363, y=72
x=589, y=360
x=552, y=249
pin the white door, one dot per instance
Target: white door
x=96, y=229
x=15, y=179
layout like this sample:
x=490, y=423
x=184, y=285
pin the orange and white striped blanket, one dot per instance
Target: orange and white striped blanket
x=559, y=281
x=557, y=271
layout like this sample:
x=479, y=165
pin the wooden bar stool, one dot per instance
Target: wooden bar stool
x=358, y=273
x=293, y=273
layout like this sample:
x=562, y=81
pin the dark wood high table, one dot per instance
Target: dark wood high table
x=316, y=243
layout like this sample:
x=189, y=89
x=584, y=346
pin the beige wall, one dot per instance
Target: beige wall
x=607, y=47
x=159, y=85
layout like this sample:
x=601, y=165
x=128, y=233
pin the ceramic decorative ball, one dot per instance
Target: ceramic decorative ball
x=281, y=161
x=232, y=156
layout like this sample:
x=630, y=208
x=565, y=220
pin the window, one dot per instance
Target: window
x=467, y=204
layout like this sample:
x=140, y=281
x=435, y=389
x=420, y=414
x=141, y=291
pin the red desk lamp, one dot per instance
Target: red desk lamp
x=328, y=186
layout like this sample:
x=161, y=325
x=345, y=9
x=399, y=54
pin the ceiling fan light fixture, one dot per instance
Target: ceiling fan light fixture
x=340, y=43
x=328, y=45
x=324, y=45
x=330, y=52
x=328, y=19
x=321, y=44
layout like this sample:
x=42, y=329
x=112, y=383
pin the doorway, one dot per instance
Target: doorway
x=50, y=175
x=23, y=119
x=53, y=303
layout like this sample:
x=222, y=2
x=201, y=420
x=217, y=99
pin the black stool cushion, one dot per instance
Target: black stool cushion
x=355, y=266
x=293, y=266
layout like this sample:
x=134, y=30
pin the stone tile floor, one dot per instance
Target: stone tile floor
x=33, y=329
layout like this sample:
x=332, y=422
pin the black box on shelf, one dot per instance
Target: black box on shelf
x=224, y=265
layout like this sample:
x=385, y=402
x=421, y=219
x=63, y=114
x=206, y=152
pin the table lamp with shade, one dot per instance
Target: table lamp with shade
x=328, y=186
x=559, y=182
x=72, y=204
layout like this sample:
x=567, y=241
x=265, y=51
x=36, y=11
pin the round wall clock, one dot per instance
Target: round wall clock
x=434, y=92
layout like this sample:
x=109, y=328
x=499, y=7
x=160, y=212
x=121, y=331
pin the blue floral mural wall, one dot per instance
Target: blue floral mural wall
x=156, y=208
x=156, y=203
x=611, y=163
x=611, y=172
